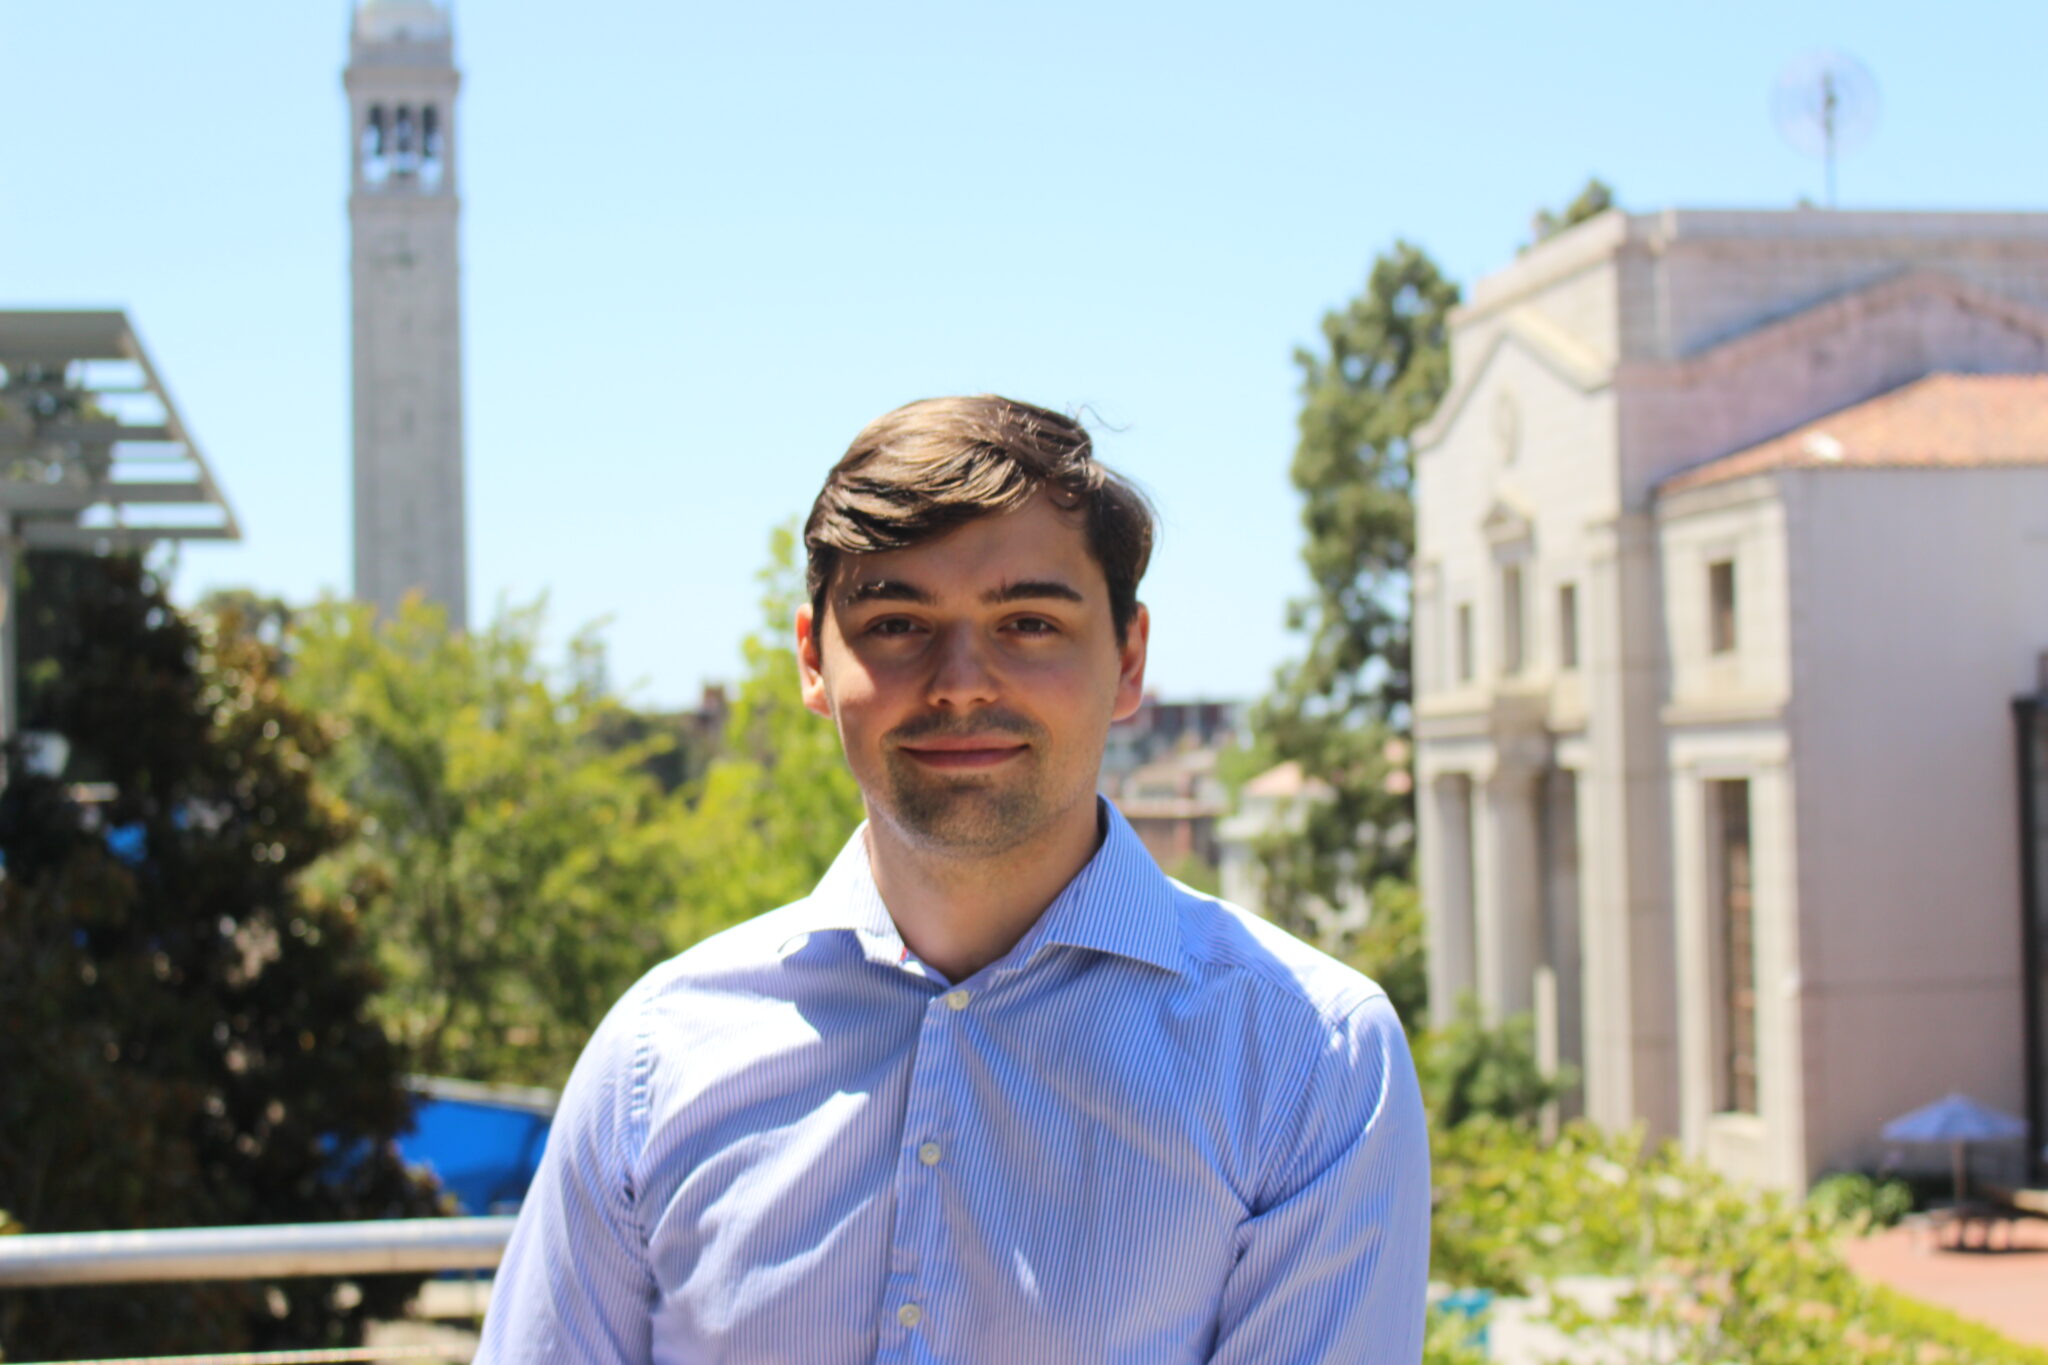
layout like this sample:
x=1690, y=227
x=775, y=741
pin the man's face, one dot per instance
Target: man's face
x=973, y=679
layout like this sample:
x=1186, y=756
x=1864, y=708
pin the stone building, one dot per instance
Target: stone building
x=1732, y=556
x=405, y=270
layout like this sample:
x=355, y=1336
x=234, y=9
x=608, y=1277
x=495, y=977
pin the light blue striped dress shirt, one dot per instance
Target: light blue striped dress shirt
x=1157, y=1130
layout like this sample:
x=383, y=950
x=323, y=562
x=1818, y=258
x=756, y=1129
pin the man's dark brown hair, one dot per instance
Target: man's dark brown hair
x=916, y=473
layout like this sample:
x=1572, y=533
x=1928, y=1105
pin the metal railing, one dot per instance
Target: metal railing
x=388, y=1247
x=277, y=1251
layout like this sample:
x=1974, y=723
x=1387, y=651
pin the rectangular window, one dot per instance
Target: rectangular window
x=1464, y=642
x=1568, y=627
x=1721, y=606
x=1511, y=619
x=1736, y=948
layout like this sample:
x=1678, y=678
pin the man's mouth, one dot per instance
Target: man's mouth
x=964, y=752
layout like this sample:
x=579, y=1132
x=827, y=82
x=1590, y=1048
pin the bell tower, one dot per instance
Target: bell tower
x=405, y=271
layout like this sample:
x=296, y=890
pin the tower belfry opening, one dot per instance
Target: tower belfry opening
x=405, y=273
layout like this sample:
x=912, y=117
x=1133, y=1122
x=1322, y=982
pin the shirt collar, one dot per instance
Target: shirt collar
x=1119, y=903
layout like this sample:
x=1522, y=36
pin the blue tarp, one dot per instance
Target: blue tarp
x=484, y=1151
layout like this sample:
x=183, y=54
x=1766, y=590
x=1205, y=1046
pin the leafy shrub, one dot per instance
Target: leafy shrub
x=1471, y=1070
x=1856, y=1200
x=1452, y=1339
x=1719, y=1271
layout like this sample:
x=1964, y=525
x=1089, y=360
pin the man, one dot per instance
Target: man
x=998, y=1090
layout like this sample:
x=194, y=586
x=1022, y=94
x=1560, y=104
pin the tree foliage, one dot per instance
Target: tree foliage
x=530, y=862
x=778, y=802
x=1390, y=950
x=1341, y=709
x=527, y=862
x=185, y=1037
x=1593, y=200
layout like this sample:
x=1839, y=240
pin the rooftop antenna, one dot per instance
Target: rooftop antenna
x=1825, y=104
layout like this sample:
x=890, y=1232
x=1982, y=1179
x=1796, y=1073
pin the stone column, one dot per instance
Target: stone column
x=1446, y=843
x=1510, y=899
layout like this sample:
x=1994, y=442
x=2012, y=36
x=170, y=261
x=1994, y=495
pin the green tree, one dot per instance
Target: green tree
x=1341, y=711
x=1593, y=200
x=1389, y=949
x=528, y=860
x=185, y=1037
x=778, y=803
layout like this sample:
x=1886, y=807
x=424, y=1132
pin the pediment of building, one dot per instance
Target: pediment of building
x=1530, y=332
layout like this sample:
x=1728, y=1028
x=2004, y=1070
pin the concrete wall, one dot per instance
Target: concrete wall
x=1725, y=273
x=1920, y=609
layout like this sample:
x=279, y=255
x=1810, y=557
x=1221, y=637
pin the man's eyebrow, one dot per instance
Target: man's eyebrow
x=885, y=590
x=1028, y=588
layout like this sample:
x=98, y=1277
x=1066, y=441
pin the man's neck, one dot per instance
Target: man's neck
x=960, y=914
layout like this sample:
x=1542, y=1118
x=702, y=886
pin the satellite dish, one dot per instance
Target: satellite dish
x=1825, y=104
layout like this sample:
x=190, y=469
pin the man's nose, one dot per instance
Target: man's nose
x=962, y=673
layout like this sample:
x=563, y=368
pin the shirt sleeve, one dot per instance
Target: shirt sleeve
x=575, y=1284
x=1334, y=1266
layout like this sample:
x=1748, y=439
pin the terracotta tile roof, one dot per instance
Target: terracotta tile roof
x=1955, y=421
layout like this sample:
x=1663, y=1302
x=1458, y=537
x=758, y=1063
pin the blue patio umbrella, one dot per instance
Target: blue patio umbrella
x=1958, y=1121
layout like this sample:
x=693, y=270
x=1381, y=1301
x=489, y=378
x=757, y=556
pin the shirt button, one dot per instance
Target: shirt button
x=910, y=1315
x=929, y=1154
x=957, y=999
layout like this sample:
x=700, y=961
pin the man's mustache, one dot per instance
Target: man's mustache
x=946, y=725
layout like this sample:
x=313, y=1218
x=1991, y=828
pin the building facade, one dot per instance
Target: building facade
x=405, y=270
x=1720, y=606
x=1159, y=767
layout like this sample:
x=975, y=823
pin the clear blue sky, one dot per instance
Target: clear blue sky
x=705, y=243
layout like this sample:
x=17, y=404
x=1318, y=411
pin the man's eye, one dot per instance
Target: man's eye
x=891, y=625
x=1033, y=625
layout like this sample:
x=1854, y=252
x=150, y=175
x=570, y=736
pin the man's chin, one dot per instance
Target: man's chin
x=967, y=815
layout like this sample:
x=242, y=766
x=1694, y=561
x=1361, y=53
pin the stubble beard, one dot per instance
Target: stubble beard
x=970, y=814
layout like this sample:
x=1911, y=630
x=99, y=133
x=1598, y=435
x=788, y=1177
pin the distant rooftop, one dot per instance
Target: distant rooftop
x=1606, y=234
x=1949, y=421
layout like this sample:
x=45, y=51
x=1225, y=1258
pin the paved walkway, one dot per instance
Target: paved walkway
x=2004, y=1289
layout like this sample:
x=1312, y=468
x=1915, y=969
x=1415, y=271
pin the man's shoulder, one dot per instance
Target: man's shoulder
x=1230, y=947
x=752, y=944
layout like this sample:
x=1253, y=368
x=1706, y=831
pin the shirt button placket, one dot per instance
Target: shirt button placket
x=934, y=1081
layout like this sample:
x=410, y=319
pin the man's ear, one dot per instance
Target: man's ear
x=810, y=662
x=1130, y=676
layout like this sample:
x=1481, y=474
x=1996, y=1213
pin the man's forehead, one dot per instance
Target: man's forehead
x=1035, y=550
